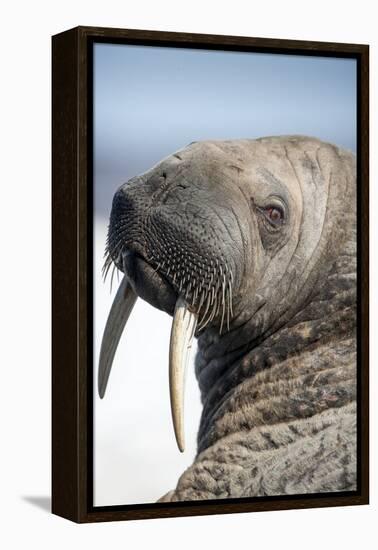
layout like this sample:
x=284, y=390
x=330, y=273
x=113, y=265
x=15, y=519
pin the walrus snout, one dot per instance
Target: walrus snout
x=169, y=220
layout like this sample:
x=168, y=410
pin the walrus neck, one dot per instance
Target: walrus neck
x=328, y=317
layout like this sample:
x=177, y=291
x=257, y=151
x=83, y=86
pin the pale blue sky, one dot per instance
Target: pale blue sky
x=150, y=101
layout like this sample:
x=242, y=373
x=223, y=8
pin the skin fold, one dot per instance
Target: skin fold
x=258, y=237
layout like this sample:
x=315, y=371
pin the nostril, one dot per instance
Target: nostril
x=164, y=175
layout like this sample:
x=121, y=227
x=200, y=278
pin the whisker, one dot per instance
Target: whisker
x=223, y=303
x=203, y=323
x=111, y=279
x=230, y=297
x=106, y=269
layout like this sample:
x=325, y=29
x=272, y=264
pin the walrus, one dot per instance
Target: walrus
x=251, y=246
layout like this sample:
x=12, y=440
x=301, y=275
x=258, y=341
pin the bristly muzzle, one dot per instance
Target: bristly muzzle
x=204, y=282
x=196, y=271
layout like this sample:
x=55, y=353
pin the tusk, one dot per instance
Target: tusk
x=183, y=328
x=122, y=306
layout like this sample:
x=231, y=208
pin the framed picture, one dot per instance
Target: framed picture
x=210, y=256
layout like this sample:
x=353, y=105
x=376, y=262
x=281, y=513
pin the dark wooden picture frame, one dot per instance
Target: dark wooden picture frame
x=72, y=356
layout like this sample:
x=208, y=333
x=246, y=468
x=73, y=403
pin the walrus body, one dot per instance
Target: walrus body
x=257, y=238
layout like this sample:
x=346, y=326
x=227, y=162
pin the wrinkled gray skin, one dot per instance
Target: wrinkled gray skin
x=278, y=384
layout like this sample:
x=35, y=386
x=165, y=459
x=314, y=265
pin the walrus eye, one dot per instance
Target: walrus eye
x=274, y=214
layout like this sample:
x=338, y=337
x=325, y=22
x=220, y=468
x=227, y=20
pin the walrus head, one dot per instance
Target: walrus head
x=228, y=237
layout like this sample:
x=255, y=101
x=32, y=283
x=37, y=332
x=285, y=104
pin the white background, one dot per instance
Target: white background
x=25, y=274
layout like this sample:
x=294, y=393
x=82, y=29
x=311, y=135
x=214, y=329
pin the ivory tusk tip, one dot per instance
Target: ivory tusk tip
x=180, y=442
x=101, y=388
x=179, y=436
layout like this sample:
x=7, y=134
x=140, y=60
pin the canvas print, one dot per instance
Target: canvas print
x=224, y=274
